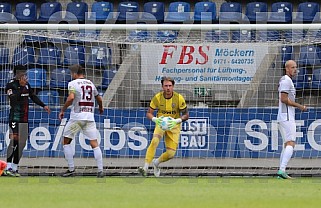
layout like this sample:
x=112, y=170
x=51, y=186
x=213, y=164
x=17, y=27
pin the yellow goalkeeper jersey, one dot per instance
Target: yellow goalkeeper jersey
x=168, y=107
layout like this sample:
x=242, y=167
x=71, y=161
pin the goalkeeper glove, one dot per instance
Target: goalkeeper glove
x=158, y=121
x=172, y=123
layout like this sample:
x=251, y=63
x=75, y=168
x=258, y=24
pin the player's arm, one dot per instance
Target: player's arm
x=68, y=103
x=36, y=99
x=99, y=100
x=285, y=99
x=13, y=94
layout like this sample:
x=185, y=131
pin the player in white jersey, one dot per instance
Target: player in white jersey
x=81, y=98
x=286, y=115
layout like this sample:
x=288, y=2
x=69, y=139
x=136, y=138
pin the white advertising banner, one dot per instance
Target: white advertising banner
x=223, y=63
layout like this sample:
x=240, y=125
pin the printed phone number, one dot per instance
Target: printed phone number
x=233, y=61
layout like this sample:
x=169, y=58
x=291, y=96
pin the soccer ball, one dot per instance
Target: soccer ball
x=164, y=124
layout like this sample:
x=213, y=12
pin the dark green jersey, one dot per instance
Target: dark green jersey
x=19, y=100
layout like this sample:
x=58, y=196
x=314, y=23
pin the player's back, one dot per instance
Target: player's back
x=84, y=102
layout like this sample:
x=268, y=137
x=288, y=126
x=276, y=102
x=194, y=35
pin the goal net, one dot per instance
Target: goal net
x=228, y=75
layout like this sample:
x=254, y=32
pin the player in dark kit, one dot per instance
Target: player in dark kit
x=19, y=91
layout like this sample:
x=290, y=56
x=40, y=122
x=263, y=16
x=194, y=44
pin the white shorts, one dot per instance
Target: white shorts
x=288, y=130
x=88, y=128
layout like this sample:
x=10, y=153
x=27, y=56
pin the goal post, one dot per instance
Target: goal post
x=228, y=74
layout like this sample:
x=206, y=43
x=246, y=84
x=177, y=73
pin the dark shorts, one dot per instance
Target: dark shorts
x=17, y=128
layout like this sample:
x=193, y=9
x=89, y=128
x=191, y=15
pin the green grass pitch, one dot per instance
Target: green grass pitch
x=47, y=192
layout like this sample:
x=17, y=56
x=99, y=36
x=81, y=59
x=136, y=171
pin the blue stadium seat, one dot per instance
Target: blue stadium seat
x=35, y=38
x=139, y=35
x=108, y=76
x=26, y=12
x=59, y=78
x=269, y=35
x=294, y=35
x=23, y=56
x=74, y=55
x=178, y=12
x=5, y=76
x=76, y=11
x=101, y=11
x=50, y=11
x=166, y=35
x=303, y=79
x=37, y=77
x=217, y=36
x=306, y=12
x=256, y=12
x=316, y=79
x=230, y=12
x=241, y=35
x=281, y=12
x=99, y=57
x=5, y=12
x=309, y=55
x=205, y=11
x=4, y=56
x=50, y=55
x=153, y=11
x=286, y=54
x=49, y=97
x=128, y=10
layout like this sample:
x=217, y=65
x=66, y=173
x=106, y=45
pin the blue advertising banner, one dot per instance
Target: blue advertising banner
x=210, y=132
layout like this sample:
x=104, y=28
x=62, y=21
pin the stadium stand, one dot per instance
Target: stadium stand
x=74, y=54
x=108, y=75
x=76, y=11
x=99, y=57
x=153, y=11
x=230, y=12
x=166, y=35
x=205, y=12
x=6, y=12
x=303, y=79
x=101, y=11
x=5, y=76
x=309, y=55
x=128, y=11
x=281, y=12
x=217, y=36
x=178, y=12
x=286, y=54
x=37, y=78
x=23, y=55
x=241, y=36
x=316, y=78
x=256, y=12
x=307, y=12
x=139, y=35
x=59, y=78
x=4, y=57
x=50, y=11
x=49, y=97
x=26, y=12
x=50, y=55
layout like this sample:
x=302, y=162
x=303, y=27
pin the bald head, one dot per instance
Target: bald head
x=290, y=68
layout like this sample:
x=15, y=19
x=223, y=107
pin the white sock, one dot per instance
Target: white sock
x=287, y=154
x=146, y=166
x=156, y=162
x=14, y=166
x=99, y=158
x=69, y=156
x=9, y=165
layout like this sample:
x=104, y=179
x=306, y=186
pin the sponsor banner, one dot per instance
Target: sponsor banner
x=222, y=63
x=219, y=133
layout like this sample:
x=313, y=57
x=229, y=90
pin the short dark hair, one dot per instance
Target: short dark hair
x=167, y=79
x=19, y=70
x=76, y=68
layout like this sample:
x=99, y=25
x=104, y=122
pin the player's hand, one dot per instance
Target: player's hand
x=158, y=120
x=47, y=109
x=61, y=115
x=173, y=122
x=101, y=110
x=304, y=108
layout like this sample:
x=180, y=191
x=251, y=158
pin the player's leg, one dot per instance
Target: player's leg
x=91, y=132
x=70, y=130
x=14, y=138
x=21, y=143
x=151, y=150
x=171, y=143
x=289, y=135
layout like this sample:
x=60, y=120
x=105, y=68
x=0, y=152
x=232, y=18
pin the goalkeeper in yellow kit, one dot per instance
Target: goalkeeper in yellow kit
x=168, y=104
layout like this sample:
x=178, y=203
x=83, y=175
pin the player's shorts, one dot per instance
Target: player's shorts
x=171, y=137
x=88, y=128
x=288, y=130
x=19, y=129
